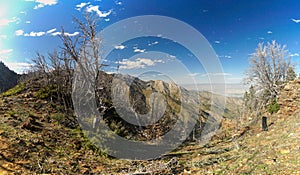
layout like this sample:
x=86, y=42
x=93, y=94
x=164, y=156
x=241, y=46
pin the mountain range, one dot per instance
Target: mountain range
x=8, y=78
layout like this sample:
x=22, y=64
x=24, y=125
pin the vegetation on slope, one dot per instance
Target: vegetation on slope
x=34, y=138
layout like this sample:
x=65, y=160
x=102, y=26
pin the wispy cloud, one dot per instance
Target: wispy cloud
x=35, y=34
x=138, y=63
x=66, y=33
x=225, y=56
x=216, y=74
x=217, y=42
x=193, y=74
x=6, y=22
x=72, y=34
x=19, y=32
x=154, y=43
x=137, y=50
x=118, y=3
x=50, y=32
x=6, y=51
x=100, y=13
x=171, y=57
x=27, y=22
x=294, y=55
x=296, y=20
x=43, y=3
x=81, y=5
x=269, y=32
x=120, y=47
x=19, y=67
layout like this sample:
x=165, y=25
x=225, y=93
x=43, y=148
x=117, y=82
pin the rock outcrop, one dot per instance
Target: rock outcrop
x=289, y=98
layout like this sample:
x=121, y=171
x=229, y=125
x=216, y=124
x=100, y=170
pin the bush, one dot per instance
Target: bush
x=273, y=107
x=15, y=90
x=47, y=92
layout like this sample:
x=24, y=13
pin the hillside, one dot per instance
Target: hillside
x=8, y=78
x=250, y=150
x=37, y=137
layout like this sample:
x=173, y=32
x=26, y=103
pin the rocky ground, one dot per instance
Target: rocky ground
x=34, y=139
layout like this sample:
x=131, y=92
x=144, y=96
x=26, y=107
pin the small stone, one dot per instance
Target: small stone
x=291, y=134
x=288, y=87
x=284, y=151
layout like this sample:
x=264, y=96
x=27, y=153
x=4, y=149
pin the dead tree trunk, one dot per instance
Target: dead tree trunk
x=264, y=124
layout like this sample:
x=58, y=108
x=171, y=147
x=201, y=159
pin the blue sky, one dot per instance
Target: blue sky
x=232, y=27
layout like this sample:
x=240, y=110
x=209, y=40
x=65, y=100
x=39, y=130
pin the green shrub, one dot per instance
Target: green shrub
x=58, y=117
x=273, y=107
x=15, y=90
x=46, y=92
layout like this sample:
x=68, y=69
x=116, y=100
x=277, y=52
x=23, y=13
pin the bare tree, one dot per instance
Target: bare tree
x=41, y=67
x=268, y=69
x=85, y=49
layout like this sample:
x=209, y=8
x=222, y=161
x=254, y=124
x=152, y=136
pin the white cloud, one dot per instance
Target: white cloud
x=193, y=74
x=101, y=14
x=138, y=63
x=18, y=67
x=225, y=56
x=6, y=22
x=43, y=3
x=296, y=20
x=35, y=34
x=216, y=74
x=81, y=5
x=137, y=50
x=171, y=57
x=27, y=22
x=56, y=33
x=38, y=34
x=118, y=3
x=4, y=54
x=294, y=55
x=269, y=32
x=6, y=51
x=154, y=43
x=19, y=32
x=72, y=34
x=51, y=31
x=217, y=42
x=107, y=19
x=66, y=33
x=120, y=47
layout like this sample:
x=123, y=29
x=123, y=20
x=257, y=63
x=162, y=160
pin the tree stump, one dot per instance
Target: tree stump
x=264, y=124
